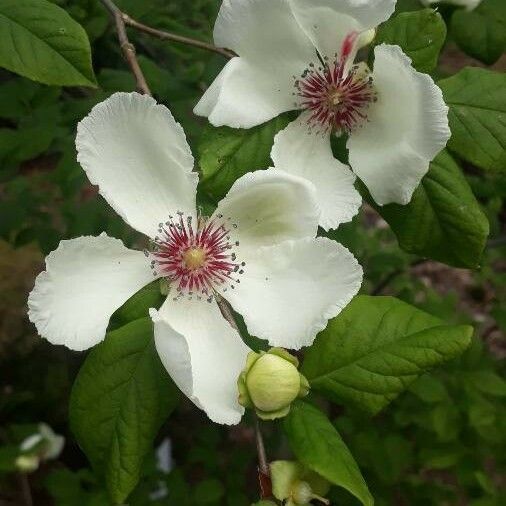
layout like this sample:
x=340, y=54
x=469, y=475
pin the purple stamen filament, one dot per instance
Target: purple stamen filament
x=336, y=94
x=195, y=260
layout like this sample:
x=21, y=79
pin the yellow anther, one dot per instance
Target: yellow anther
x=194, y=258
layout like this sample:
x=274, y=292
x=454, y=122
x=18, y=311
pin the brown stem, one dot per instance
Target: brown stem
x=262, y=458
x=264, y=474
x=127, y=47
x=163, y=35
x=26, y=493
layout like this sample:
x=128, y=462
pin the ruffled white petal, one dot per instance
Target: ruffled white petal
x=134, y=150
x=407, y=128
x=85, y=281
x=328, y=22
x=245, y=95
x=269, y=207
x=273, y=49
x=289, y=291
x=260, y=29
x=203, y=354
x=308, y=154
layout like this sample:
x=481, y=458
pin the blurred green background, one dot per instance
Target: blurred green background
x=441, y=443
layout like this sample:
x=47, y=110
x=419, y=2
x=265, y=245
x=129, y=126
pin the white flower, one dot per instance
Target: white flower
x=40, y=446
x=258, y=250
x=299, y=54
x=468, y=4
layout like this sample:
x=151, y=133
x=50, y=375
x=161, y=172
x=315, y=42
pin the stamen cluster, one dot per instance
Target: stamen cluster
x=337, y=95
x=196, y=259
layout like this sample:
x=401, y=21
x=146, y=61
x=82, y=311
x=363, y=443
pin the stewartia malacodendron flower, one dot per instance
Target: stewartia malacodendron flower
x=38, y=447
x=303, y=55
x=270, y=382
x=258, y=250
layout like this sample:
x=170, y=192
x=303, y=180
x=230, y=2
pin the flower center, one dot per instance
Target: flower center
x=337, y=93
x=196, y=259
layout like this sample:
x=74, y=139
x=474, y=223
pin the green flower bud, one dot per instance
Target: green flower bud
x=302, y=493
x=297, y=485
x=27, y=463
x=271, y=382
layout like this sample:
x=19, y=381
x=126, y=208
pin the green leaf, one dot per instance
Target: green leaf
x=487, y=382
x=429, y=389
x=420, y=34
x=121, y=396
x=317, y=444
x=477, y=100
x=487, y=24
x=16, y=146
x=138, y=305
x=225, y=154
x=441, y=457
x=443, y=221
x=39, y=40
x=8, y=456
x=68, y=488
x=376, y=348
x=208, y=491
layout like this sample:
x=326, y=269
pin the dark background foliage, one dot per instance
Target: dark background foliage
x=442, y=442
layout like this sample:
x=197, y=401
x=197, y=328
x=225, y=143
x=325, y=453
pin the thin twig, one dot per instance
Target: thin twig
x=163, y=35
x=127, y=47
x=26, y=493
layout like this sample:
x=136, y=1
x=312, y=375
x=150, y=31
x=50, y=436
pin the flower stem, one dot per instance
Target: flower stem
x=264, y=474
x=262, y=459
x=26, y=493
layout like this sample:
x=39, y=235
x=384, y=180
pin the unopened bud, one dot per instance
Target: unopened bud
x=271, y=382
x=365, y=38
x=27, y=463
x=296, y=484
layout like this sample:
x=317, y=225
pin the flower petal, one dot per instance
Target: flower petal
x=137, y=154
x=269, y=207
x=273, y=49
x=245, y=95
x=260, y=29
x=289, y=291
x=328, y=22
x=308, y=154
x=85, y=281
x=203, y=354
x=407, y=127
